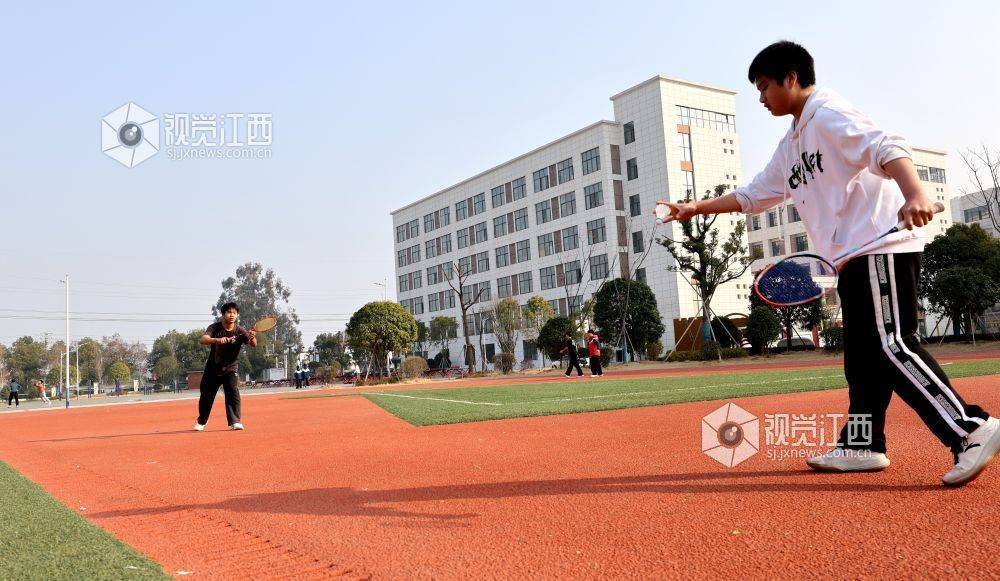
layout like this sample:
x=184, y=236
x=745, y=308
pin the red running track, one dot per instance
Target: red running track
x=322, y=487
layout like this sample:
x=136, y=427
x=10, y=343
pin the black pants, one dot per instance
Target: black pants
x=882, y=354
x=298, y=383
x=13, y=397
x=595, y=365
x=574, y=362
x=210, y=383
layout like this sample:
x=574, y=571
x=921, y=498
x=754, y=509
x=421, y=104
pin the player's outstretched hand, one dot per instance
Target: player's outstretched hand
x=681, y=211
x=917, y=212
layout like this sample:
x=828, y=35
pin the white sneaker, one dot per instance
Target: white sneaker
x=978, y=450
x=847, y=460
x=199, y=427
x=236, y=426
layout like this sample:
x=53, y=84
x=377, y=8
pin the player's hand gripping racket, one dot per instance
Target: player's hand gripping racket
x=804, y=277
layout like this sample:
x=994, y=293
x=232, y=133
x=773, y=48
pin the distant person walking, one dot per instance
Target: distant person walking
x=14, y=387
x=298, y=377
x=571, y=350
x=594, y=350
x=305, y=376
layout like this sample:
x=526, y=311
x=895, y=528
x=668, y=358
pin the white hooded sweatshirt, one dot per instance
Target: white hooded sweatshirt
x=830, y=163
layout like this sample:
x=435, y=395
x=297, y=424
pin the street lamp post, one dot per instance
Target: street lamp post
x=385, y=286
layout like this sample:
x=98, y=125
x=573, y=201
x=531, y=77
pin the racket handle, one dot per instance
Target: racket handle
x=901, y=225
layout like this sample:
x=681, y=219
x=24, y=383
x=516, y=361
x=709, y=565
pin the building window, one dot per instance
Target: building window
x=482, y=262
x=800, y=243
x=591, y=160
x=599, y=267
x=463, y=238
x=640, y=275
x=434, y=302
x=567, y=204
x=629, y=133
x=595, y=231
x=638, y=243
x=479, y=203
x=541, y=178
x=519, y=188
x=480, y=233
x=409, y=230
x=503, y=287
x=707, y=119
x=498, y=196
x=794, y=215
x=570, y=238
x=757, y=250
x=777, y=247
x=565, y=168
x=500, y=226
x=772, y=218
x=937, y=175
x=530, y=350
x=593, y=195
x=754, y=223
x=435, y=274
x=524, y=251
x=976, y=214
x=524, y=283
x=684, y=141
x=543, y=212
x=461, y=210
x=688, y=184
x=633, y=205
x=572, y=272
x=503, y=256
x=546, y=245
x=632, y=168
x=520, y=219
x=547, y=277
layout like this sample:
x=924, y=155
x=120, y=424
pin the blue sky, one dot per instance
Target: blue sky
x=378, y=104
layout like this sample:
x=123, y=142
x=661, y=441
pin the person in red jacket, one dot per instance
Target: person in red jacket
x=594, y=350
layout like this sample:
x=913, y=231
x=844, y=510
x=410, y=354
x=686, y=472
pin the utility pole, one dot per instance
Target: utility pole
x=67, y=341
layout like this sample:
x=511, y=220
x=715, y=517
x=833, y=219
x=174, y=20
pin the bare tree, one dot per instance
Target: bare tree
x=457, y=275
x=984, y=172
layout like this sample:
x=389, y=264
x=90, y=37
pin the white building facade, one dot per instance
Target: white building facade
x=561, y=220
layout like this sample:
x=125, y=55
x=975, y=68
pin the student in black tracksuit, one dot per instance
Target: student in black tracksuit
x=574, y=356
x=226, y=339
x=850, y=182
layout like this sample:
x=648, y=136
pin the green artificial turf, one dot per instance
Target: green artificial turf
x=42, y=539
x=474, y=404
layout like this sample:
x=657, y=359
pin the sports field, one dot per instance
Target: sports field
x=367, y=483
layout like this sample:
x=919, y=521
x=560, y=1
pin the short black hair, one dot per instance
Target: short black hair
x=781, y=58
x=227, y=306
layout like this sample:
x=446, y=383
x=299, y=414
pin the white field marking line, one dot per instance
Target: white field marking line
x=674, y=390
x=601, y=396
x=434, y=399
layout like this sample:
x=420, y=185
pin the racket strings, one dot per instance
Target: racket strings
x=795, y=280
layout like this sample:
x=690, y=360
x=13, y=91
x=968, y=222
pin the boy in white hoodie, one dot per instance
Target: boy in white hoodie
x=850, y=182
